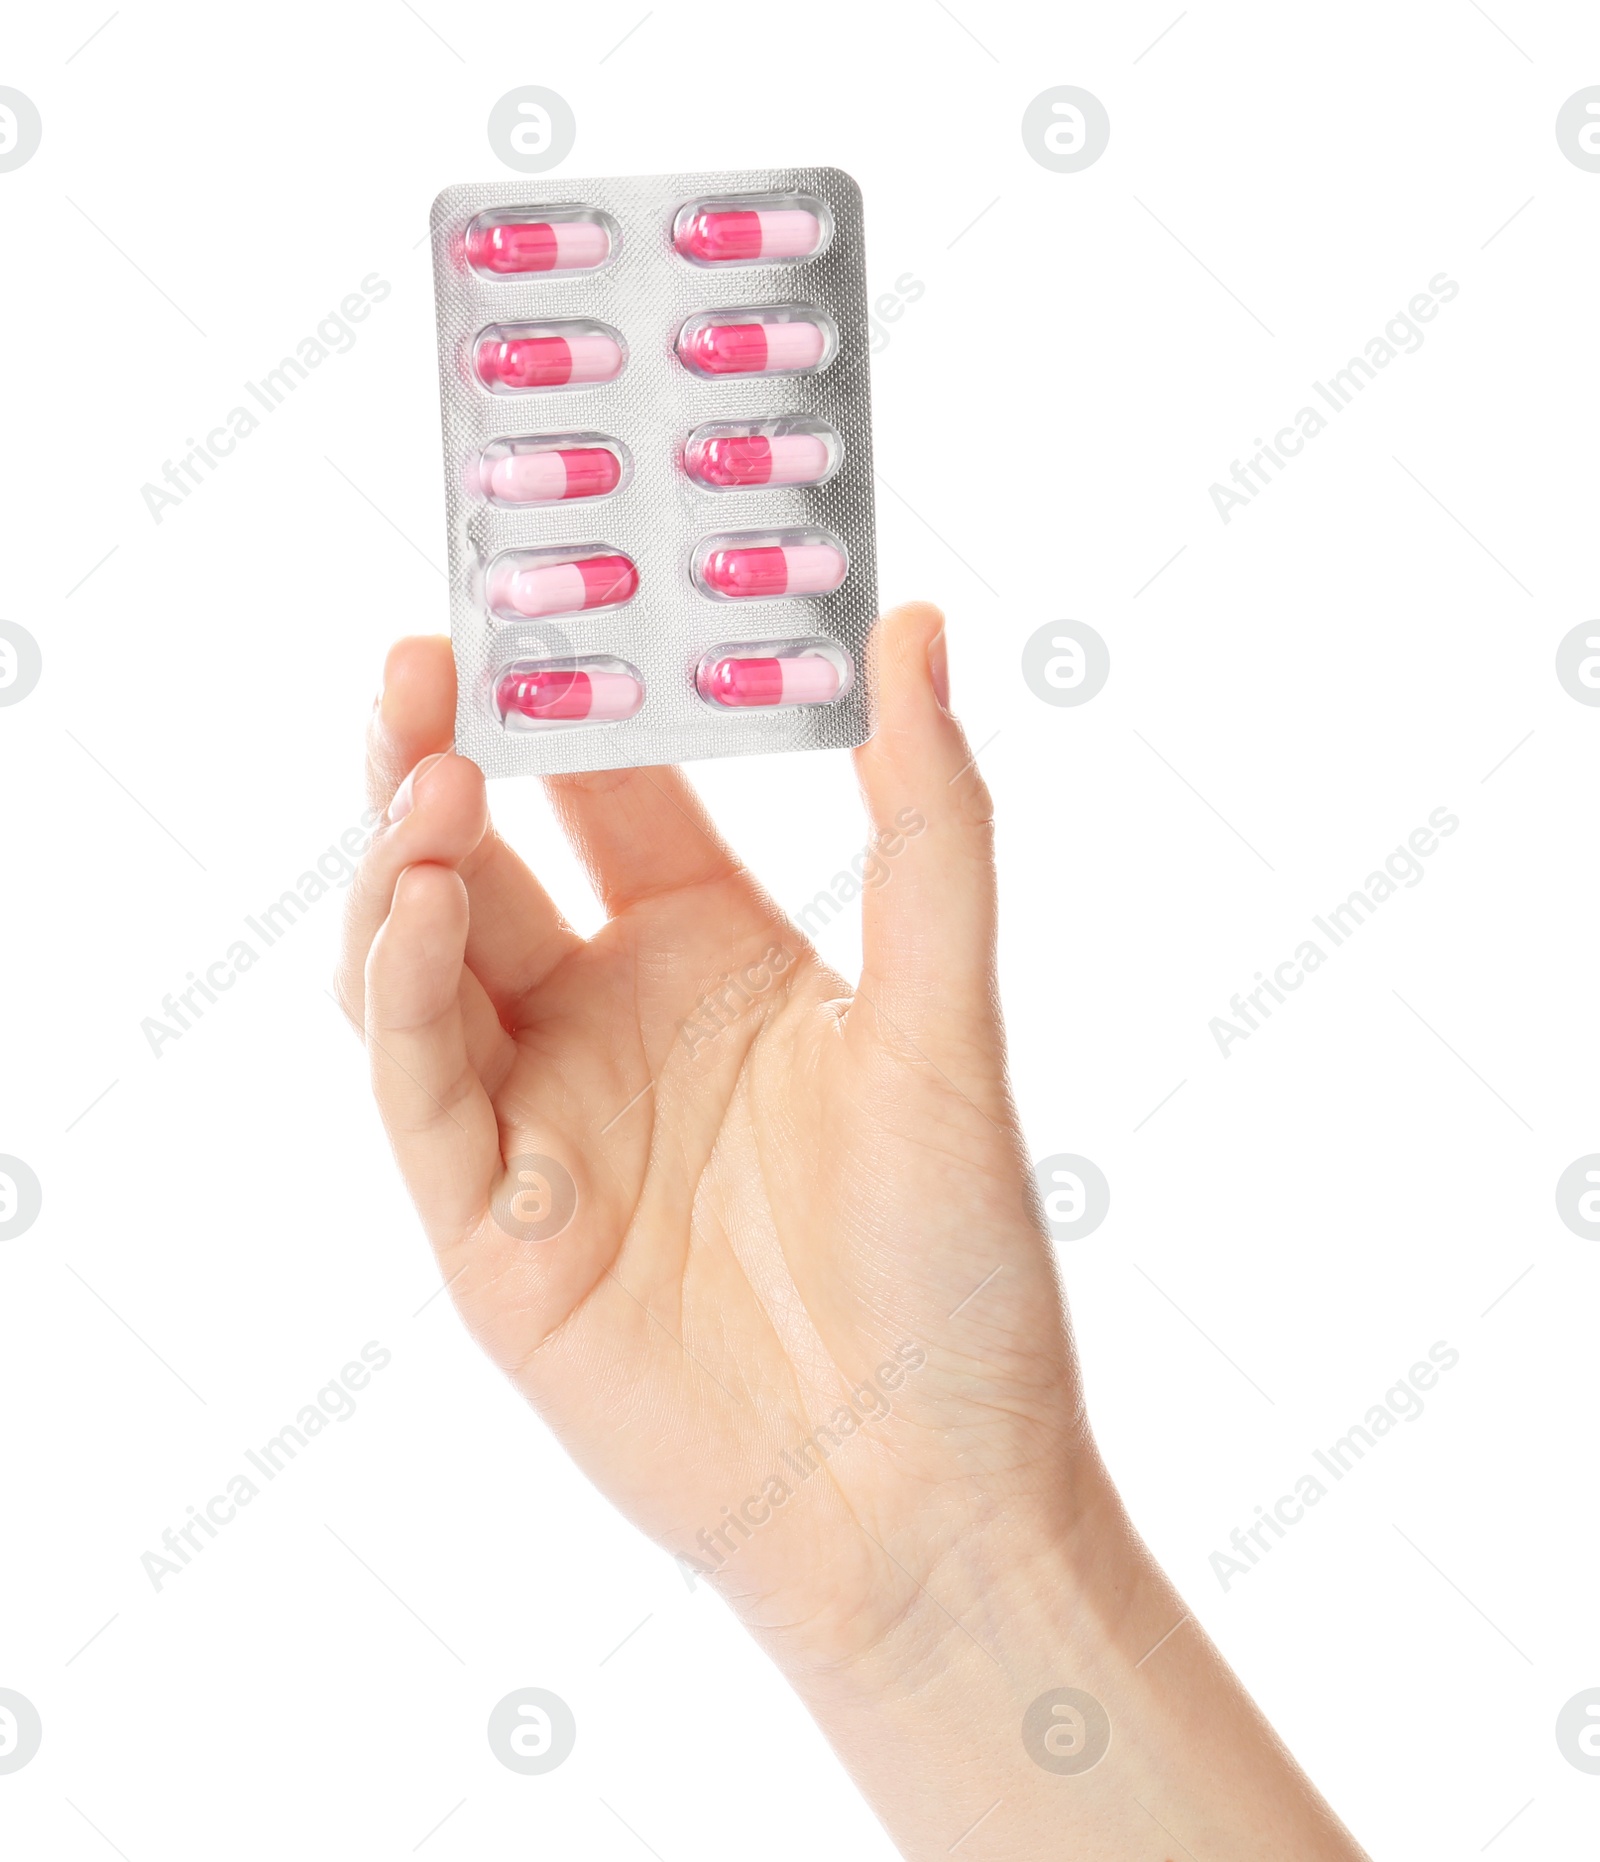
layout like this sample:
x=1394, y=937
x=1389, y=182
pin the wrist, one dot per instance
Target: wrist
x=1039, y=1676
x=994, y=1594
x=929, y=1714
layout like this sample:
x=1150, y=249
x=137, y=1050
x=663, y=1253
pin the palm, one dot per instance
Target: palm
x=780, y=1189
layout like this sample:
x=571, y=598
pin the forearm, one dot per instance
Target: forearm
x=931, y=1721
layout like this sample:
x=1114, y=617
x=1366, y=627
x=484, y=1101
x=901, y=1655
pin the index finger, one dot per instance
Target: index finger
x=517, y=935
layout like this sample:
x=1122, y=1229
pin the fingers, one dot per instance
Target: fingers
x=641, y=832
x=433, y=1103
x=438, y=815
x=516, y=935
x=928, y=927
x=415, y=714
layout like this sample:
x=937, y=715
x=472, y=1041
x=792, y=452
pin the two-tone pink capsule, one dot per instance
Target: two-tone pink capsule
x=757, y=342
x=513, y=357
x=724, y=461
x=735, y=570
x=792, y=673
x=535, y=590
x=508, y=246
x=533, y=693
x=551, y=474
x=744, y=235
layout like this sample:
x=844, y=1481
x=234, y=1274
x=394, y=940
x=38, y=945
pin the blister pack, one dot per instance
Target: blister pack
x=658, y=467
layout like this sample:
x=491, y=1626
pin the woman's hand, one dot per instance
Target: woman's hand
x=764, y=1249
x=783, y=1184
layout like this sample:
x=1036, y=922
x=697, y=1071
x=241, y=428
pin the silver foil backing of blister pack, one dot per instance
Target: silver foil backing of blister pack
x=647, y=292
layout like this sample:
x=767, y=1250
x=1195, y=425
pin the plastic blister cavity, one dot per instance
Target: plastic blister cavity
x=752, y=229
x=658, y=467
x=539, y=239
x=789, y=339
x=766, y=565
x=555, y=694
x=554, y=469
x=568, y=353
x=543, y=584
x=768, y=674
x=731, y=455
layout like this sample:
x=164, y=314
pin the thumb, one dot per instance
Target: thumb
x=928, y=922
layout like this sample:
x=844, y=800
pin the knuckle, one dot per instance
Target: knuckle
x=972, y=806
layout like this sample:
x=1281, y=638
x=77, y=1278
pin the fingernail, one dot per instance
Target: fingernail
x=939, y=669
x=405, y=797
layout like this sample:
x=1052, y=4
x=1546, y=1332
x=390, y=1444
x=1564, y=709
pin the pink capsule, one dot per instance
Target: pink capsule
x=753, y=348
x=788, y=459
x=513, y=362
x=564, y=587
x=801, y=679
x=556, y=473
x=553, y=694
x=517, y=246
x=727, y=237
x=744, y=574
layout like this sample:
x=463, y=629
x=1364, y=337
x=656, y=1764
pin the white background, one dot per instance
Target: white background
x=1362, y=645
